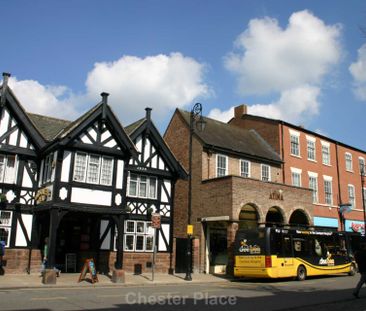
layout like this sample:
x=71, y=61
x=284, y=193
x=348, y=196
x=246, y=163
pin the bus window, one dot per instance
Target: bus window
x=287, y=249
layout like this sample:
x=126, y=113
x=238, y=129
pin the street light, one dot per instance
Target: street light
x=195, y=119
x=362, y=173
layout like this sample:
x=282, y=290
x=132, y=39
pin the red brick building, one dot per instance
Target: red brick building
x=237, y=182
x=330, y=168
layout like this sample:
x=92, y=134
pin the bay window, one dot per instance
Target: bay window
x=8, y=168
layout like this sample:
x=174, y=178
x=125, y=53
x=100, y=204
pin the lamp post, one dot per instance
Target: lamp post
x=362, y=173
x=195, y=119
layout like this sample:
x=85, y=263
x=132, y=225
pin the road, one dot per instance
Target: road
x=326, y=293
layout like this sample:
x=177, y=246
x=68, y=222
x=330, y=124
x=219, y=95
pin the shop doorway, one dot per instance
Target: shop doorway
x=217, y=246
x=77, y=239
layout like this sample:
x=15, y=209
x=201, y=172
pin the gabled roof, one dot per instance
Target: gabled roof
x=49, y=127
x=29, y=127
x=232, y=139
x=146, y=125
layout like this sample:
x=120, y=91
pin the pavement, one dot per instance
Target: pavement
x=10, y=281
x=67, y=280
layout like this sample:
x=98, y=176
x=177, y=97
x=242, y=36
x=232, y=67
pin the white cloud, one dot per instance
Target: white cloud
x=270, y=58
x=358, y=71
x=48, y=100
x=294, y=105
x=162, y=82
x=290, y=63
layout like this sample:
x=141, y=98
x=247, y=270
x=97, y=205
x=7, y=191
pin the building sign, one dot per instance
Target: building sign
x=42, y=195
x=358, y=227
x=276, y=195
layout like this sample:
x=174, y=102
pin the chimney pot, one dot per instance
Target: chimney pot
x=104, y=97
x=148, y=113
x=241, y=110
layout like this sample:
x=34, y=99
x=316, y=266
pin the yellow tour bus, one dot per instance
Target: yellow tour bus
x=279, y=253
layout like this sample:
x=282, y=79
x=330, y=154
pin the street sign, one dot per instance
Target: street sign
x=155, y=220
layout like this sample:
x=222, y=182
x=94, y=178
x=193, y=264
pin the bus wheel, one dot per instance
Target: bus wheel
x=301, y=273
x=352, y=270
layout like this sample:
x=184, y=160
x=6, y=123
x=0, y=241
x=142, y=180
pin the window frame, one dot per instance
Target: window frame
x=295, y=144
x=242, y=163
x=297, y=175
x=311, y=150
x=135, y=234
x=328, y=194
x=269, y=172
x=351, y=195
x=222, y=168
x=86, y=171
x=138, y=183
x=314, y=191
x=47, y=168
x=3, y=174
x=6, y=226
x=361, y=166
x=348, y=161
x=326, y=155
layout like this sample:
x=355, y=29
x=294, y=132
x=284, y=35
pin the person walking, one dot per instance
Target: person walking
x=360, y=257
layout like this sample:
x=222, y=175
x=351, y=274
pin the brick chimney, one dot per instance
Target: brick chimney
x=239, y=111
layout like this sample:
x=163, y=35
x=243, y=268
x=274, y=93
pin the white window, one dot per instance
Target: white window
x=8, y=168
x=311, y=149
x=295, y=144
x=351, y=195
x=93, y=169
x=106, y=174
x=244, y=168
x=5, y=226
x=348, y=158
x=80, y=167
x=296, y=179
x=139, y=236
x=265, y=172
x=313, y=185
x=326, y=153
x=142, y=186
x=328, y=192
x=361, y=164
x=221, y=165
x=47, y=168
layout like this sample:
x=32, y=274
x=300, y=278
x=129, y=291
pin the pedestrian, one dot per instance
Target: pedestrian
x=360, y=257
x=45, y=259
x=2, y=252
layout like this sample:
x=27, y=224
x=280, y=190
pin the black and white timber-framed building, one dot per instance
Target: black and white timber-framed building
x=89, y=185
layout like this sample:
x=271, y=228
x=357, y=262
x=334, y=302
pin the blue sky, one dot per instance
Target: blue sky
x=301, y=61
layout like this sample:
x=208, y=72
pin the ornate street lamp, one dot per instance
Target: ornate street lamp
x=195, y=121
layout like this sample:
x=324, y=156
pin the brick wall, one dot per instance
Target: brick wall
x=16, y=261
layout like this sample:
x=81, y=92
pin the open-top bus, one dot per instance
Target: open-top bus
x=278, y=252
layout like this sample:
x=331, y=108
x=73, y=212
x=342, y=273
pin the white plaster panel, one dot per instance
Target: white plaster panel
x=13, y=138
x=119, y=180
x=112, y=143
x=63, y=193
x=92, y=133
x=27, y=181
x=139, y=143
x=90, y=196
x=154, y=162
x=161, y=164
x=106, y=242
x=165, y=228
x=4, y=122
x=106, y=135
x=86, y=140
x=23, y=141
x=65, y=170
x=20, y=238
x=147, y=149
x=118, y=199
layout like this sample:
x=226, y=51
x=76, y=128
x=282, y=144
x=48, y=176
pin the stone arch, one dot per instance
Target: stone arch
x=299, y=217
x=249, y=216
x=275, y=215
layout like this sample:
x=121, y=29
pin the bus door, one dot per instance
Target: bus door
x=287, y=259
